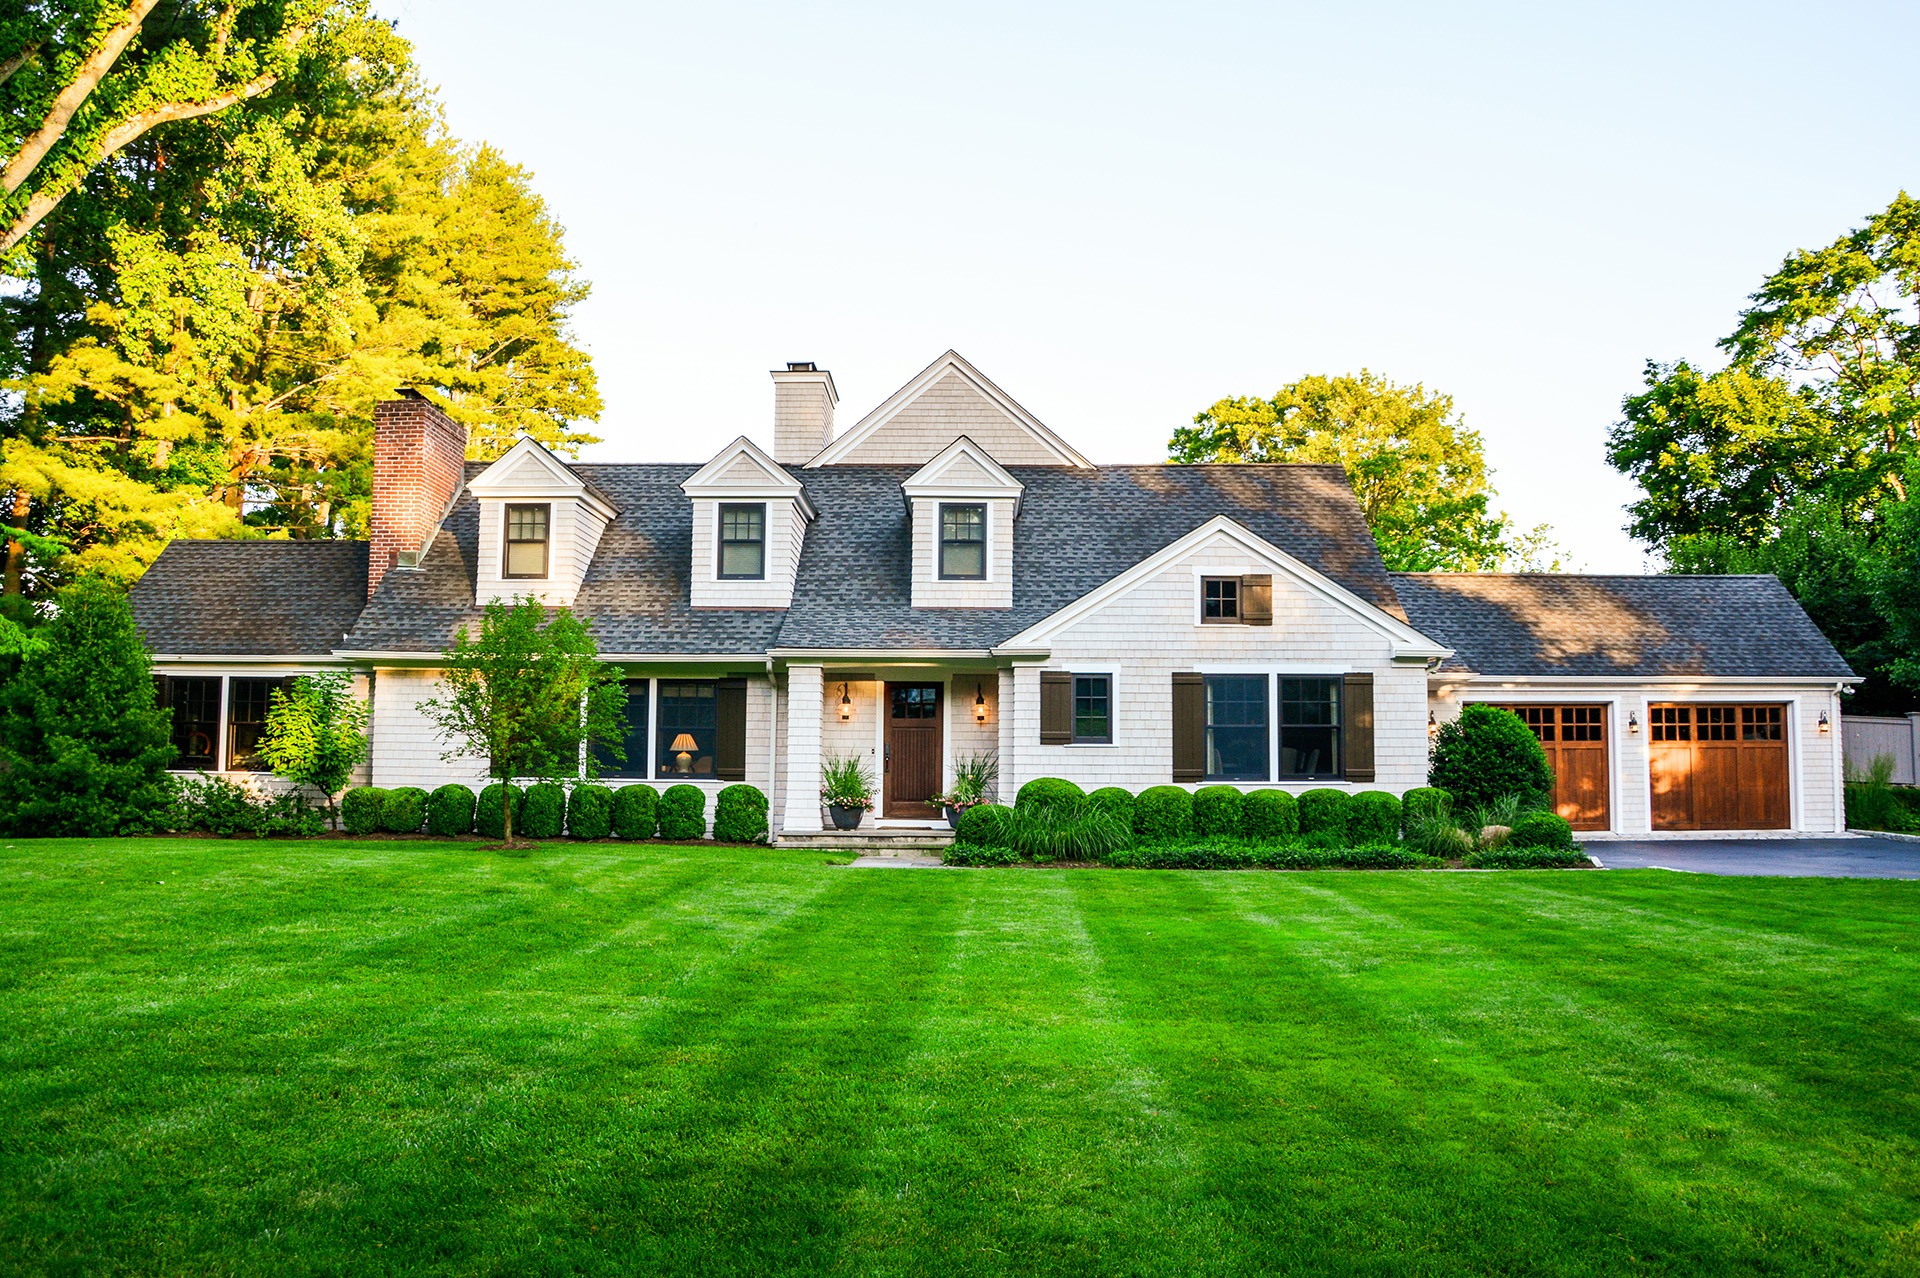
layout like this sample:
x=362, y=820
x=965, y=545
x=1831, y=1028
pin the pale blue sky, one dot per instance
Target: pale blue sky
x=1123, y=212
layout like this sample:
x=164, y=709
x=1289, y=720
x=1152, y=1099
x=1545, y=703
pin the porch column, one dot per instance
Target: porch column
x=1003, y=706
x=800, y=812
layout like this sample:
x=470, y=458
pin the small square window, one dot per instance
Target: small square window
x=1092, y=709
x=963, y=543
x=1219, y=600
x=743, y=543
x=527, y=541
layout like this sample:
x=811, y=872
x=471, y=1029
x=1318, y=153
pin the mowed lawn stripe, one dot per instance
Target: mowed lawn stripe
x=1023, y=1133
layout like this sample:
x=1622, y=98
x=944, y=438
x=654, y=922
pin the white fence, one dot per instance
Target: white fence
x=1866, y=739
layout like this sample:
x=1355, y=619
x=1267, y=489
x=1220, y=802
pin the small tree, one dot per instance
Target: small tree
x=1488, y=754
x=83, y=748
x=530, y=696
x=317, y=735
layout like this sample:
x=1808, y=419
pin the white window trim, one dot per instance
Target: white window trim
x=766, y=541
x=986, y=539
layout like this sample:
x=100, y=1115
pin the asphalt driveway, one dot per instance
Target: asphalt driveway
x=1859, y=858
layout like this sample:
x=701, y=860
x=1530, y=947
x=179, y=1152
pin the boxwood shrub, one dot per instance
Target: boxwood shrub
x=683, y=812
x=1326, y=812
x=1051, y=792
x=1162, y=812
x=1427, y=802
x=590, y=812
x=1486, y=755
x=980, y=853
x=543, y=812
x=1374, y=817
x=1216, y=810
x=985, y=825
x=1270, y=815
x=1541, y=830
x=404, y=811
x=360, y=809
x=1114, y=802
x=450, y=811
x=1508, y=857
x=487, y=820
x=740, y=815
x=636, y=812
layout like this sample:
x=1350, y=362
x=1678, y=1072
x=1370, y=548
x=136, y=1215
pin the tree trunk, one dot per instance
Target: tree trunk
x=506, y=810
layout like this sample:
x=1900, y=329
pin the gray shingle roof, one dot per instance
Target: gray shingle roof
x=1564, y=624
x=1076, y=530
x=251, y=598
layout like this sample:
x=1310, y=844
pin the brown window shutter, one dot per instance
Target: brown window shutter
x=1056, y=707
x=1256, y=599
x=730, y=730
x=1189, y=726
x=1356, y=726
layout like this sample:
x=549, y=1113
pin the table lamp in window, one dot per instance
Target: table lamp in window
x=683, y=747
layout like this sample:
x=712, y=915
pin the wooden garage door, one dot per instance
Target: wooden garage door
x=1575, y=739
x=1718, y=767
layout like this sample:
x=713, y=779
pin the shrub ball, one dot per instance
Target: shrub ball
x=1162, y=812
x=1270, y=816
x=1326, y=812
x=360, y=809
x=1542, y=830
x=450, y=811
x=404, y=810
x=487, y=817
x=985, y=825
x=1424, y=803
x=590, y=812
x=543, y=812
x=636, y=812
x=1374, y=818
x=683, y=812
x=740, y=815
x=1216, y=810
x=1487, y=754
x=1051, y=792
x=1114, y=802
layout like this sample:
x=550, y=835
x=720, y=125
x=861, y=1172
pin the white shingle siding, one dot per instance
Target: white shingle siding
x=929, y=591
x=1145, y=634
x=785, y=532
x=573, y=532
x=1813, y=761
x=946, y=410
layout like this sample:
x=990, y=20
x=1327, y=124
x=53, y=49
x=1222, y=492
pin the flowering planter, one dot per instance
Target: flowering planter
x=845, y=818
x=952, y=814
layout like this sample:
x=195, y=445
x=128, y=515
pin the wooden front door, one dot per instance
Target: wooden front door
x=1718, y=767
x=914, y=747
x=1575, y=739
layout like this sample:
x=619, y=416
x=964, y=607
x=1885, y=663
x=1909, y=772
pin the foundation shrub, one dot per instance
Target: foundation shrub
x=1270, y=815
x=636, y=812
x=985, y=825
x=487, y=819
x=1217, y=810
x=1050, y=792
x=1488, y=754
x=404, y=811
x=1115, y=802
x=683, y=812
x=590, y=812
x=1541, y=830
x=1374, y=817
x=1326, y=812
x=980, y=854
x=543, y=812
x=1422, y=802
x=1509, y=857
x=740, y=815
x=450, y=811
x=1162, y=812
x=360, y=809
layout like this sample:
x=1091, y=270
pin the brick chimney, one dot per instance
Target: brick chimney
x=803, y=401
x=419, y=459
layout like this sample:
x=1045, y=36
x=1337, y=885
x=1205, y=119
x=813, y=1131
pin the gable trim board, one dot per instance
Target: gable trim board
x=1409, y=645
x=950, y=363
x=505, y=480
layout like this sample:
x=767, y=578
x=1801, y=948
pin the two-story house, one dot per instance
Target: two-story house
x=948, y=576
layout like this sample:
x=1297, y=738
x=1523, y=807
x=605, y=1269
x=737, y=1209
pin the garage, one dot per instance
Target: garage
x=1718, y=767
x=1575, y=739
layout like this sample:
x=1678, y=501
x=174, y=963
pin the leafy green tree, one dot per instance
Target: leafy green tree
x=316, y=735
x=529, y=695
x=1798, y=457
x=1419, y=473
x=83, y=748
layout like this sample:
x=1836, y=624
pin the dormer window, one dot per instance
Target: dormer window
x=963, y=542
x=743, y=541
x=527, y=538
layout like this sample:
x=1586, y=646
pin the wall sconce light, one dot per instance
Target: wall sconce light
x=846, y=704
x=1433, y=728
x=1633, y=723
x=1826, y=725
x=980, y=706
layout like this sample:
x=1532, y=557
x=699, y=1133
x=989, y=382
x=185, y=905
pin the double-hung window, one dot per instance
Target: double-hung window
x=526, y=553
x=743, y=542
x=1092, y=709
x=635, y=741
x=1309, y=729
x=1237, y=727
x=963, y=542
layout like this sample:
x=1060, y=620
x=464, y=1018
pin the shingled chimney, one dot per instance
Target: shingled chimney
x=803, y=401
x=419, y=459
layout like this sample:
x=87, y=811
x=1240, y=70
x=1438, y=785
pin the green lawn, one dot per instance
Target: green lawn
x=356, y=1058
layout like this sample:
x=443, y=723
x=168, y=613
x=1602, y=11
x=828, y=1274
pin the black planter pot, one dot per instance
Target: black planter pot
x=952, y=814
x=845, y=818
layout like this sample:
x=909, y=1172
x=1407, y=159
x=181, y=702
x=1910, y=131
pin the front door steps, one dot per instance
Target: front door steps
x=885, y=840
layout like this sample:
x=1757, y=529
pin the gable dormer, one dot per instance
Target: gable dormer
x=949, y=398
x=749, y=521
x=963, y=505
x=539, y=525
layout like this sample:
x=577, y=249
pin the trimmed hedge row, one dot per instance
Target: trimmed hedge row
x=548, y=809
